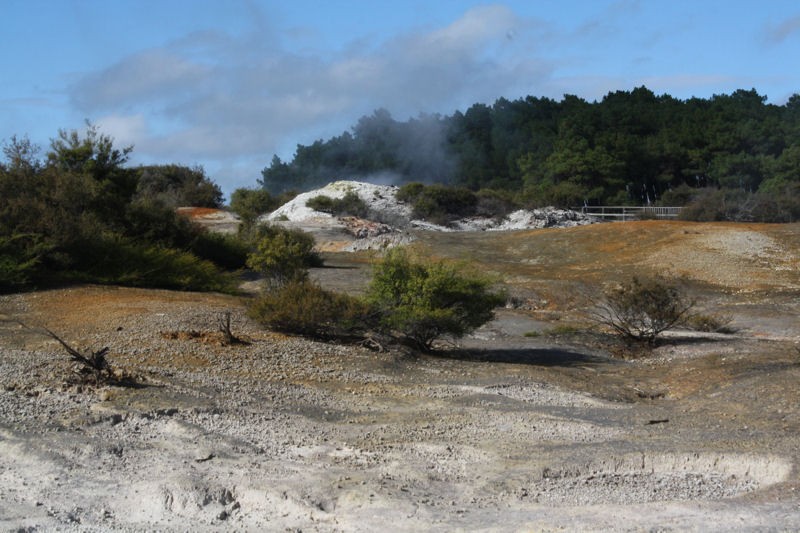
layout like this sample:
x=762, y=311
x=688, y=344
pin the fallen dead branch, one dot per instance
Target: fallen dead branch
x=94, y=363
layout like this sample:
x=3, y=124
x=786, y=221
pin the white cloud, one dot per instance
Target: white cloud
x=126, y=130
x=211, y=95
x=473, y=30
x=148, y=76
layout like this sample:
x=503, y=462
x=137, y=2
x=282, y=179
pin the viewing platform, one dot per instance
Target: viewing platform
x=623, y=213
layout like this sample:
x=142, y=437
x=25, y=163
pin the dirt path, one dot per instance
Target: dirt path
x=507, y=433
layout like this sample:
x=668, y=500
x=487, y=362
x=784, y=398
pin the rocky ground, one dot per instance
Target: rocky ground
x=524, y=426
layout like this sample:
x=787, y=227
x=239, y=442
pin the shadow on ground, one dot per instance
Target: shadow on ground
x=530, y=356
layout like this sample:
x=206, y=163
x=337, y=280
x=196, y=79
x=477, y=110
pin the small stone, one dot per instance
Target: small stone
x=203, y=456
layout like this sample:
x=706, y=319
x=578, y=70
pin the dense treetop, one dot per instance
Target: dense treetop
x=632, y=147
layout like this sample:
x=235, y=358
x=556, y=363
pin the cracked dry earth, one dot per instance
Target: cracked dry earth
x=505, y=433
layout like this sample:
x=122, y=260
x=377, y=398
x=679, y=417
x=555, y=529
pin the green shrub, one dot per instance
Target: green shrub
x=177, y=186
x=775, y=202
x=564, y=194
x=226, y=251
x=304, y=308
x=717, y=205
x=437, y=203
x=249, y=204
x=116, y=260
x=81, y=215
x=350, y=204
x=322, y=203
x=642, y=309
x=283, y=254
x=778, y=201
x=422, y=301
x=20, y=260
x=155, y=223
x=409, y=192
x=678, y=196
x=495, y=203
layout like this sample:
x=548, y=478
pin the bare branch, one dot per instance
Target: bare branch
x=96, y=362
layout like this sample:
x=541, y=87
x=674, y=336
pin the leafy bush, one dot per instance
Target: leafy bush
x=116, y=260
x=226, y=251
x=642, y=309
x=564, y=194
x=678, y=196
x=495, y=203
x=249, y=204
x=409, y=192
x=157, y=224
x=304, y=308
x=350, y=204
x=424, y=301
x=714, y=205
x=176, y=186
x=20, y=260
x=437, y=203
x=282, y=255
x=776, y=201
x=81, y=215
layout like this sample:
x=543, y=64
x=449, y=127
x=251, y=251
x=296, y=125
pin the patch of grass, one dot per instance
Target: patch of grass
x=712, y=323
x=563, y=330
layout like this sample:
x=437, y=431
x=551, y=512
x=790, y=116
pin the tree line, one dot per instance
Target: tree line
x=630, y=148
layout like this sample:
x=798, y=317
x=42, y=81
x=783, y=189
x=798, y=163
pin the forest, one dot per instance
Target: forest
x=630, y=148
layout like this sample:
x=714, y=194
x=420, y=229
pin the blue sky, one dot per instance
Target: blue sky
x=227, y=84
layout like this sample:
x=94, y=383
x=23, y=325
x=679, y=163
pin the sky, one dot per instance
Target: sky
x=227, y=84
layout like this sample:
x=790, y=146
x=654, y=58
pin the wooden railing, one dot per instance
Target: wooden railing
x=619, y=212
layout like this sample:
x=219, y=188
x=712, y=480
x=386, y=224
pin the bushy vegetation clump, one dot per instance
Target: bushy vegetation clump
x=80, y=214
x=350, y=204
x=177, y=186
x=438, y=203
x=423, y=301
x=302, y=307
x=775, y=202
x=415, y=301
x=282, y=255
x=249, y=204
x=641, y=309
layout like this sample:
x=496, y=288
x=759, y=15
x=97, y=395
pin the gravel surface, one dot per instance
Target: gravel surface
x=283, y=433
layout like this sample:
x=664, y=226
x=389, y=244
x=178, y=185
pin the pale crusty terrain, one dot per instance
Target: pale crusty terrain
x=508, y=432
